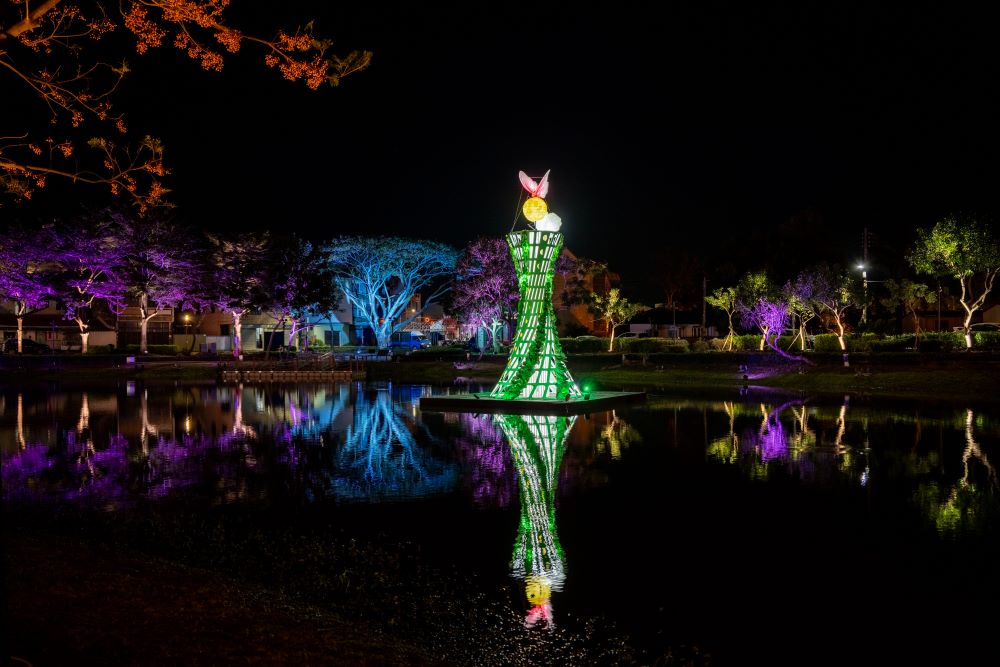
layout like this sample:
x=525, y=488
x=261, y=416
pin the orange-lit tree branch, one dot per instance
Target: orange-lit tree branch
x=46, y=47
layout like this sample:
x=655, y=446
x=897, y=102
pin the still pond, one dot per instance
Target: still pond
x=752, y=529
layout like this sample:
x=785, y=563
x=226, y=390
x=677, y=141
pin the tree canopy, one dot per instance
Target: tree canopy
x=380, y=275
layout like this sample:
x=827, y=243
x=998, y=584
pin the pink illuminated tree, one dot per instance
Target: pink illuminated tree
x=485, y=288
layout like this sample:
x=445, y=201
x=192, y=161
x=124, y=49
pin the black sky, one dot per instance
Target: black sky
x=699, y=125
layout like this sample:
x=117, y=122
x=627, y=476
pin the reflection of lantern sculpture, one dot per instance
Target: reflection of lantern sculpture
x=536, y=367
x=537, y=443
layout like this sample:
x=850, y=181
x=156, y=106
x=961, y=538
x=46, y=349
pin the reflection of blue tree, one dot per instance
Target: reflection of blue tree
x=538, y=444
x=380, y=456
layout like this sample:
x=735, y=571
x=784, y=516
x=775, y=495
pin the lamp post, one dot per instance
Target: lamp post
x=864, y=282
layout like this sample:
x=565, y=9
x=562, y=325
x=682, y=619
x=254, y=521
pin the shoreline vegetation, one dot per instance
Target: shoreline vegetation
x=956, y=377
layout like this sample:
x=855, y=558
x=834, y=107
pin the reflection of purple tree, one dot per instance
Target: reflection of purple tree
x=482, y=444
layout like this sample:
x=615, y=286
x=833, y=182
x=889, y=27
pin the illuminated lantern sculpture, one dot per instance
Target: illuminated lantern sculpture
x=536, y=368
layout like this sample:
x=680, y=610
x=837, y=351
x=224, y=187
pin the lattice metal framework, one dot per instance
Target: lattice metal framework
x=536, y=368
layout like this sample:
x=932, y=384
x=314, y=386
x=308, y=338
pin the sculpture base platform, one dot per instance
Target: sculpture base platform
x=599, y=401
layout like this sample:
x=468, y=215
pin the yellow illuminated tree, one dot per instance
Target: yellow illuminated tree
x=48, y=48
x=613, y=309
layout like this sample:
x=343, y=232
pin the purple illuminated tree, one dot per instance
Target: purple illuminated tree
x=238, y=266
x=304, y=287
x=89, y=282
x=156, y=268
x=834, y=292
x=770, y=316
x=799, y=294
x=26, y=271
x=485, y=289
x=380, y=275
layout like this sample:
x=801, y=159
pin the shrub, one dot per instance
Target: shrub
x=986, y=340
x=585, y=346
x=894, y=344
x=826, y=343
x=699, y=346
x=154, y=349
x=747, y=342
x=943, y=341
x=653, y=345
x=717, y=343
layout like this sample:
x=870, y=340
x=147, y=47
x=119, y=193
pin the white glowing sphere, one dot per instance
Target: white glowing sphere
x=550, y=223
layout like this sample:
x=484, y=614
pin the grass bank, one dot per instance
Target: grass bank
x=967, y=377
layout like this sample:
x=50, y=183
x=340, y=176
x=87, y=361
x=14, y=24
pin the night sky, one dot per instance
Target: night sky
x=731, y=133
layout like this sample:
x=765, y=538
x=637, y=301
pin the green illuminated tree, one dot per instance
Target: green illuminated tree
x=910, y=295
x=753, y=288
x=965, y=249
x=724, y=298
x=613, y=309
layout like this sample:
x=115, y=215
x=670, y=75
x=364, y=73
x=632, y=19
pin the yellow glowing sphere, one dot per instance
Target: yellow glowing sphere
x=535, y=209
x=537, y=590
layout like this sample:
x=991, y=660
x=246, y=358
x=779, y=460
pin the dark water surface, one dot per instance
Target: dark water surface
x=755, y=530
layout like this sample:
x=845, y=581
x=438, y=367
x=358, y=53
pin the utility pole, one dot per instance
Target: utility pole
x=864, y=274
x=704, y=293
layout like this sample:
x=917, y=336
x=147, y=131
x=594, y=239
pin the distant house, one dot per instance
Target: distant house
x=659, y=322
x=262, y=331
x=49, y=326
x=577, y=317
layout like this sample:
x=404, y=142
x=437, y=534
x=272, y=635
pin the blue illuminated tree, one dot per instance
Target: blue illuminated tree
x=380, y=275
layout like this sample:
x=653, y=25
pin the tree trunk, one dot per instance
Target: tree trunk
x=20, y=333
x=237, y=337
x=611, y=345
x=84, y=338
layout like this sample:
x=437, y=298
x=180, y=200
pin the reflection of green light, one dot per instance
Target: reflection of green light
x=537, y=445
x=536, y=367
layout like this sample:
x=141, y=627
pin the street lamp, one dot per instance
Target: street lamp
x=187, y=323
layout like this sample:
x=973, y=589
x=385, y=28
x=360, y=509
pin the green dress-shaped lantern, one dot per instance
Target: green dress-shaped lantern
x=536, y=368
